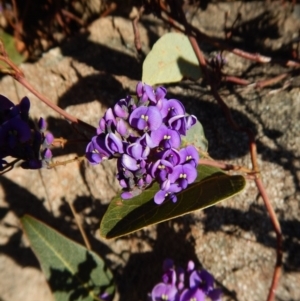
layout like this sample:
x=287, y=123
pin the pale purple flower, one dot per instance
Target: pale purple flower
x=164, y=292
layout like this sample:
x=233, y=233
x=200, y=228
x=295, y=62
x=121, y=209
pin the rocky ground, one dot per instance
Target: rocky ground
x=233, y=240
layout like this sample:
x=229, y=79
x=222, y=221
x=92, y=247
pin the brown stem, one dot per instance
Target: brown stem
x=277, y=229
x=53, y=106
x=136, y=32
x=78, y=222
x=253, y=153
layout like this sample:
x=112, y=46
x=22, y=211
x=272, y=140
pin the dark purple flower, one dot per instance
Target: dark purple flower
x=145, y=118
x=32, y=164
x=5, y=103
x=192, y=294
x=24, y=106
x=203, y=280
x=183, y=175
x=42, y=124
x=189, y=155
x=166, y=138
x=215, y=294
x=14, y=131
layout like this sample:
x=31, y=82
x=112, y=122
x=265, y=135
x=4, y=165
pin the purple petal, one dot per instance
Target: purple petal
x=5, y=103
x=190, y=266
x=203, y=280
x=172, y=107
x=194, y=294
x=48, y=139
x=121, y=128
x=135, y=150
x=139, y=89
x=145, y=118
x=166, y=138
x=190, y=155
x=160, y=93
x=129, y=162
x=186, y=171
x=215, y=294
x=178, y=123
x=114, y=144
x=150, y=93
x=190, y=121
x=120, y=109
x=130, y=194
x=47, y=154
x=42, y=124
x=24, y=105
x=163, y=291
x=160, y=196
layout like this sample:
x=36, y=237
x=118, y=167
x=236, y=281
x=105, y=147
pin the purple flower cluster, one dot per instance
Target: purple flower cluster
x=144, y=134
x=185, y=285
x=19, y=138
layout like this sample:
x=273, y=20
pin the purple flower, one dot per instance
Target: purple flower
x=14, y=131
x=96, y=150
x=171, y=155
x=192, y=294
x=171, y=108
x=146, y=118
x=183, y=175
x=161, y=195
x=166, y=138
x=189, y=155
x=199, y=287
x=182, y=123
x=145, y=136
x=163, y=292
x=114, y=144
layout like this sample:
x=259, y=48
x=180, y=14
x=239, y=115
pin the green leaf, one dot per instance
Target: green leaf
x=9, y=44
x=171, y=58
x=195, y=136
x=126, y=216
x=73, y=272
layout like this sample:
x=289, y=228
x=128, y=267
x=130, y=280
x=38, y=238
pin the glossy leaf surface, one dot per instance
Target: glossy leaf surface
x=72, y=271
x=126, y=216
x=171, y=58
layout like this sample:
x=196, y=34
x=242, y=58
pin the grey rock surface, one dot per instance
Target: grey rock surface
x=233, y=240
